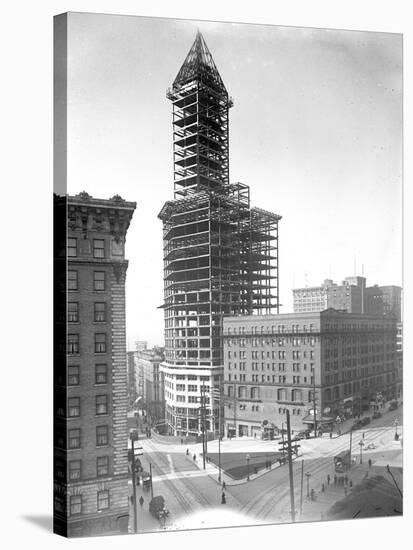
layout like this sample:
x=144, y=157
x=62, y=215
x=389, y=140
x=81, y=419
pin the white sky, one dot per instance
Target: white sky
x=315, y=131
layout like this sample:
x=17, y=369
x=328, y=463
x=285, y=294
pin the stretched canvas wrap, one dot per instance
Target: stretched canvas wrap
x=228, y=312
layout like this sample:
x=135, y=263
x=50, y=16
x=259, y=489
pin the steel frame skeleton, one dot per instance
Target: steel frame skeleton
x=220, y=254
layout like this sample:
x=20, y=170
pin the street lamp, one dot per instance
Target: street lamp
x=361, y=443
x=308, y=475
x=248, y=467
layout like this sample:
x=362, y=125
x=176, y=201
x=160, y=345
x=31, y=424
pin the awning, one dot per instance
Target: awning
x=309, y=419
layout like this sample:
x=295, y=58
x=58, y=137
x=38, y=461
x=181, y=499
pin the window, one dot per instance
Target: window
x=72, y=280
x=191, y=387
x=73, y=344
x=103, y=500
x=73, y=312
x=98, y=248
x=74, y=438
x=74, y=407
x=100, y=312
x=100, y=343
x=102, y=436
x=73, y=376
x=74, y=470
x=101, y=374
x=101, y=404
x=99, y=280
x=102, y=466
x=72, y=248
x=75, y=504
x=180, y=387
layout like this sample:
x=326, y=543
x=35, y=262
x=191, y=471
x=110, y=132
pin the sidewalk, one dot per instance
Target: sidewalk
x=318, y=509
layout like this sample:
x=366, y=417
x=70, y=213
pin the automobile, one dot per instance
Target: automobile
x=356, y=425
x=157, y=507
x=364, y=421
x=377, y=414
x=303, y=435
x=393, y=405
x=371, y=446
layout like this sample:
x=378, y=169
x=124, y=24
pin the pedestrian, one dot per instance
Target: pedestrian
x=141, y=501
x=194, y=457
x=345, y=490
x=345, y=479
x=312, y=494
x=182, y=441
x=363, y=436
x=331, y=435
x=223, y=499
x=224, y=486
x=369, y=462
x=138, y=481
x=335, y=479
x=187, y=452
x=322, y=488
x=328, y=479
x=350, y=484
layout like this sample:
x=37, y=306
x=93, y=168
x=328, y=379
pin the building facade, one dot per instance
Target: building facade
x=328, y=361
x=384, y=300
x=220, y=254
x=91, y=396
x=151, y=383
x=349, y=296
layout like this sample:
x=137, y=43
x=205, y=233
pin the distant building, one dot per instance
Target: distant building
x=91, y=463
x=141, y=345
x=132, y=390
x=384, y=300
x=349, y=296
x=277, y=362
x=150, y=384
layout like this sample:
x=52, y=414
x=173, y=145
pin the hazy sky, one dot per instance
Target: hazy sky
x=315, y=132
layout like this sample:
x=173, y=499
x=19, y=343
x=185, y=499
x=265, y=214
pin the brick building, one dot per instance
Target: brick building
x=91, y=397
x=384, y=300
x=277, y=362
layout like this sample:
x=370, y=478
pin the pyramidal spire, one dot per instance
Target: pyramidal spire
x=199, y=65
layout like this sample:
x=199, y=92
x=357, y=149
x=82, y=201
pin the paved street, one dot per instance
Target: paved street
x=188, y=489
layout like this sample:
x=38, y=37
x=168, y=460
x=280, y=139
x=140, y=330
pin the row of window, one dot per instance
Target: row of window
x=75, y=468
x=272, y=379
x=296, y=354
x=74, y=437
x=99, y=280
x=73, y=406
x=101, y=374
x=73, y=343
x=99, y=312
x=75, y=503
x=98, y=248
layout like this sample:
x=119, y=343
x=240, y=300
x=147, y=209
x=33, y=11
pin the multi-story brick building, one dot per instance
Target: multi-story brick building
x=91, y=397
x=334, y=359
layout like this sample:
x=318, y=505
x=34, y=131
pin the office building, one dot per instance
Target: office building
x=220, y=254
x=330, y=361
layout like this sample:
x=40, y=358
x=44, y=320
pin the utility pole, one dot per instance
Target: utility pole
x=282, y=436
x=308, y=475
x=302, y=485
x=314, y=405
x=351, y=441
x=235, y=408
x=219, y=430
x=135, y=513
x=203, y=423
x=290, y=467
x=150, y=473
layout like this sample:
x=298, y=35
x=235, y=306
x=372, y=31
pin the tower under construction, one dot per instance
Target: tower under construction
x=220, y=254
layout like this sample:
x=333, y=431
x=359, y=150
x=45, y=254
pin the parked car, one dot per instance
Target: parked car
x=356, y=425
x=303, y=435
x=393, y=405
x=377, y=414
x=364, y=421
